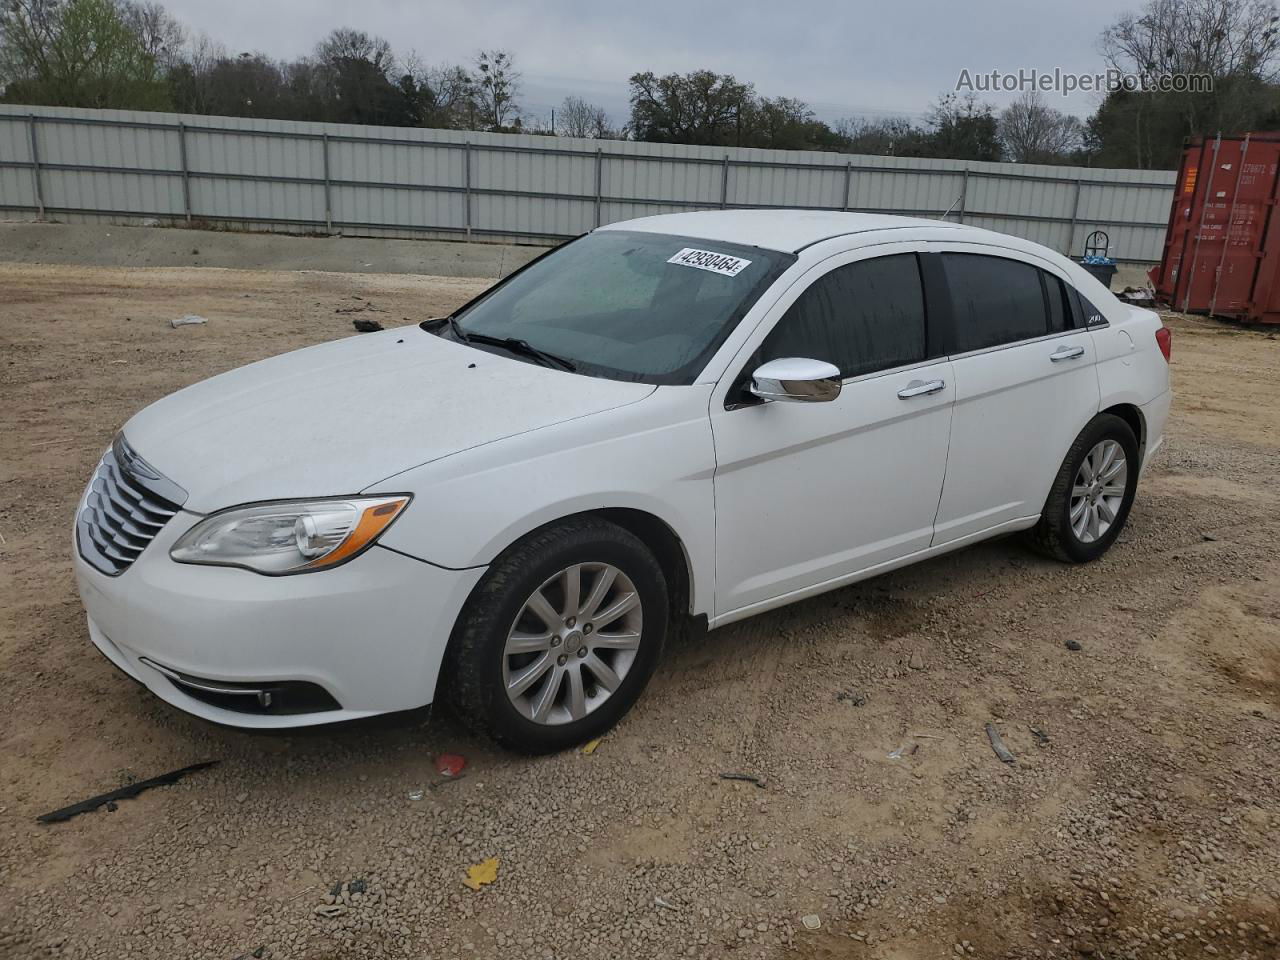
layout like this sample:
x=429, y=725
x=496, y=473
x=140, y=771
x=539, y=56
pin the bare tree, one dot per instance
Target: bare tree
x=963, y=128
x=191, y=76
x=449, y=92
x=455, y=92
x=1219, y=38
x=159, y=32
x=578, y=118
x=25, y=29
x=453, y=96
x=882, y=136
x=497, y=84
x=1235, y=43
x=1034, y=132
x=345, y=44
x=78, y=53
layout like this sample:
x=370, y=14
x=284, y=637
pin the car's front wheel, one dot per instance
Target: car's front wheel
x=560, y=636
x=1092, y=493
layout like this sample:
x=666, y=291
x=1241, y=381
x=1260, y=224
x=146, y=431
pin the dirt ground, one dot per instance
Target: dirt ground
x=97, y=244
x=1141, y=818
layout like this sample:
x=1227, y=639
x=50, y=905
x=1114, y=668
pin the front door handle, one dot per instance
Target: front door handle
x=921, y=388
x=1067, y=353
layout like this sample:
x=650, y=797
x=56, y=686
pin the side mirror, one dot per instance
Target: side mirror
x=796, y=379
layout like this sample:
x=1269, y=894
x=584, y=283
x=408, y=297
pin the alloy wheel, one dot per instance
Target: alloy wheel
x=1097, y=492
x=573, y=643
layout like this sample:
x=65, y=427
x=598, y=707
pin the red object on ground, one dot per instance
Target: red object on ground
x=450, y=764
x=1222, y=248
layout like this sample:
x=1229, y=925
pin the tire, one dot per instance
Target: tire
x=480, y=666
x=1057, y=534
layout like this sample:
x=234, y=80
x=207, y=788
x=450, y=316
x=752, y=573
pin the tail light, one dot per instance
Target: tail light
x=1165, y=339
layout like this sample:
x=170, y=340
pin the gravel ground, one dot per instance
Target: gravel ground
x=1141, y=818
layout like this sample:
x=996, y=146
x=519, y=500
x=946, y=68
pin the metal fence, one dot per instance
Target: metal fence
x=63, y=163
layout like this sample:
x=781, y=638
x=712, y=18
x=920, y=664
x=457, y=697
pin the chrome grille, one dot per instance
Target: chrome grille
x=122, y=512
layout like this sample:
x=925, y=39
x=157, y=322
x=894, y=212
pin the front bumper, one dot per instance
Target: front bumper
x=370, y=633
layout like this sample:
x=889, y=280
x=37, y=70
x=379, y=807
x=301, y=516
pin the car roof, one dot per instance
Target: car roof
x=786, y=230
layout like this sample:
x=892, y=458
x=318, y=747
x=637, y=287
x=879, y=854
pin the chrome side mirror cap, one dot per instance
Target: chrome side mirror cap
x=796, y=379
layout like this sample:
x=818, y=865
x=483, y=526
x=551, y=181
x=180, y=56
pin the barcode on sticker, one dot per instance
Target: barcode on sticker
x=720, y=263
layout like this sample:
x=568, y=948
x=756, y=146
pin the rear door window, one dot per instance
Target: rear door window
x=863, y=317
x=995, y=300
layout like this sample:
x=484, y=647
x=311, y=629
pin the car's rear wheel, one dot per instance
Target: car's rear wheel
x=1092, y=493
x=560, y=636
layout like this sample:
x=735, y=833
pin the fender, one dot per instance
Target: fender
x=655, y=456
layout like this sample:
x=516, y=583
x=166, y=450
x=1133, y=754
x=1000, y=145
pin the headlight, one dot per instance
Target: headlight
x=291, y=536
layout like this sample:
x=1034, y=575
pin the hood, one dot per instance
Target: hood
x=336, y=418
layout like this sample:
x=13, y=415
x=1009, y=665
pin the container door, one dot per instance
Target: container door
x=1165, y=277
x=1234, y=194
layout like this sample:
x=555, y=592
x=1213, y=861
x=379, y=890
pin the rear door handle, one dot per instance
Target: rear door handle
x=1067, y=353
x=921, y=388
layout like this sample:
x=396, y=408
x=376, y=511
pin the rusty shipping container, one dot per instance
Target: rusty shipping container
x=1222, y=248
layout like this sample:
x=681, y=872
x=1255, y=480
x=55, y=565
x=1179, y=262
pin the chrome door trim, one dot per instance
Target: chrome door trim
x=1019, y=343
x=990, y=249
x=891, y=371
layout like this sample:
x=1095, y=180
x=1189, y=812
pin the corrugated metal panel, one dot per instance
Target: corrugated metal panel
x=271, y=174
x=914, y=194
x=820, y=186
x=15, y=143
x=17, y=191
x=17, y=183
x=253, y=156
x=113, y=191
x=394, y=208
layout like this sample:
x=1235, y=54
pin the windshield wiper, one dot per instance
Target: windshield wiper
x=515, y=345
x=456, y=329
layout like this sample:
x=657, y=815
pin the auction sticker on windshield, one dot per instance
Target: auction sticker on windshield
x=720, y=263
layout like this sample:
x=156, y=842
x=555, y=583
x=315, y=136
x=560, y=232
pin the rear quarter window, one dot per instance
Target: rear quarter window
x=1090, y=316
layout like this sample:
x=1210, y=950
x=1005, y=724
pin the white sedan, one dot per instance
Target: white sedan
x=702, y=415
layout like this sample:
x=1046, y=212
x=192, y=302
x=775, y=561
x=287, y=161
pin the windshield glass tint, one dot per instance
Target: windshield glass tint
x=635, y=306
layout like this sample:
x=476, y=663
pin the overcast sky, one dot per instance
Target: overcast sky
x=844, y=57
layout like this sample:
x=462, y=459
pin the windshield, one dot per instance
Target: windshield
x=628, y=305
